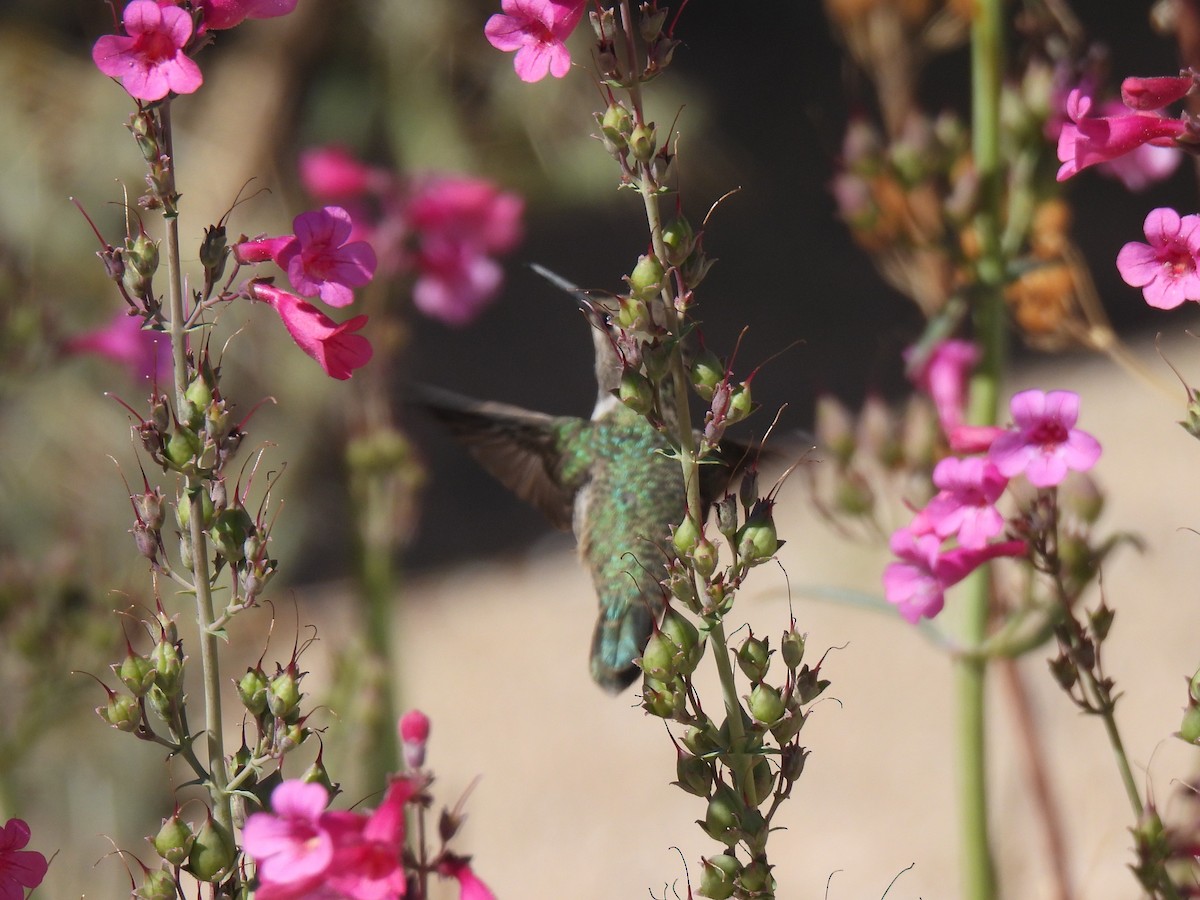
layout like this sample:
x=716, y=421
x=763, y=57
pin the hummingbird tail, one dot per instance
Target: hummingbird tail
x=619, y=639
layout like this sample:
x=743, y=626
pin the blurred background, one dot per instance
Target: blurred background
x=494, y=617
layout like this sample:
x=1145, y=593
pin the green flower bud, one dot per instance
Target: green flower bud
x=146, y=136
x=643, y=142
x=317, y=774
x=788, y=727
x=150, y=508
x=765, y=704
x=283, y=693
x=617, y=125
x=1189, y=728
x=791, y=648
x=252, y=691
x=199, y=394
x=636, y=392
x=685, y=536
x=706, y=373
x=291, y=737
x=723, y=817
x=692, y=774
x=174, y=840
x=701, y=739
x=756, y=879
x=633, y=315
x=754, y=658
x=660, y=658
x=764, y=780
x=182, y=447
x=679, y=240
x=662, y=698
x=726, y=509
x=121, y=712
x=160, y=703
x=704, y=557
x=230, y=531
x=212, y=852
x=719, y=876
x=168, y=667
x=646, y=279
x=158, y=884
x=740, y=403
x=681, y=587
x=757, y=541
x=136, y=673
x=686, y=639
x=183, y=510
x=142, y=254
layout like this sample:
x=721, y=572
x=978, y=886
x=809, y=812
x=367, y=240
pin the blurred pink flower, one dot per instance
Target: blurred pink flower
x=1165, y=268
x=1143, y=167
x=20, y=869
x=1086, y=140
x=916, y=584
x=123, y=341
x=469, y=885
x=291, y=846
x=1156, y=92
x=332, y=173
x=943, y=376
x=414, y=734
x=1044, y=444
x=965, y=505
x=335, y=347
x=150, y=62
x=369, y=864
x=536, y=29
x=220, y=14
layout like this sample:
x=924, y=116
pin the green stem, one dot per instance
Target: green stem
x=211, y=674
x=990, y=329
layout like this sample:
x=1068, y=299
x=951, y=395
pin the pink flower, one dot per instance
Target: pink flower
x=220, y=14
x=414, y=734
x=1166, y=268
x=1086, y=141
x=455, y=281
x=293, y=848
x=331, y=173
x=1044, y=443
x=150, y=62
x=917, y=583
x=323, y=261
x=1155, y=93
x=20, y=869
x=369, y=865
x=124, y=341
x=965, y=504
x=536, y=29
x=943, y=376
x=335, y=348
x=469, y=886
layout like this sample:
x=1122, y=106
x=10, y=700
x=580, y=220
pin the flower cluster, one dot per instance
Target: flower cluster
x=20, y=869
x=1088, y=140
x=1042, y=445
x=444, y=229
x=536, y=30
x=303, y=850
x=320, y=261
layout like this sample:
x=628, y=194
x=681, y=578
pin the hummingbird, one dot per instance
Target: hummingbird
x=608, y=478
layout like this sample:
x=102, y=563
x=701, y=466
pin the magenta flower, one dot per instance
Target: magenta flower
x=369, y=865
x=1155, y=93
x=1165, y=268
x=292, y=847
x=965, y=505
x=323, y=261
x=331, y=173
x=1086, y=141
x=221, y=14
x=916, y=584
x=414, y=734
x=536, y=29
x=20, y=869
x=123, y=341
x=943, y=376
x=150, y=62
x=469, y=885
x=1044, y=443
x=335, y=347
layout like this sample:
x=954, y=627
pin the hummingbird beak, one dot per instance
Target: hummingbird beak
x=597, y=312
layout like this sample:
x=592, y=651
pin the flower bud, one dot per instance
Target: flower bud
x=661, y=698
x=317, y=774
x=414, y=734
x=145, y=540
x=283, y=693
x=121, y=712
x=685, y=536
x=679, y=240
x=754, y=658
x=704, y=557
x=1189, y=728
x=636, y=392
x=723, y=817
x=145, y=135
x=701, y=739
x=158, y=884
x=645, y=281
x=174, y=840
x=740, y=403
x=142, y=255
x=136, y=673
x=791, y=762
x=756, y=879
x=230, y=531
x=693, y=774
x=252, y=691
x=789, y=726
x=212, y=852
x=719, y=876
x=214, y=251
x=765, y=704
x=764, y=780
x=679, y=583
x=168, y=667
x=160, y=703
x=643, y=142
x=791, y=648
x=650, y=22
x=757, y=540
x=707, y=371
x=659, y=658
x=617, y=124
x=809, y=686
x=182, y=447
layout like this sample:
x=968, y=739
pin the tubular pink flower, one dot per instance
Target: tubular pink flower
x=261, y=249
x=20, y=869
x=973, y=438
x=916, y=584
x=1145, y=94
x=323, y=261
x=221, y=14
x=536, y=29
x=414, y=734
x=965, y=504
x=335, y=348
x=331, y=173
x=291, y=847
x=943, y=376
x=123, y=341
x=455, y=281
x=1044, y=444
x=1165, y=268
x=1086, y=141
x=150, y=62
x=469, y=885
x=369, y=863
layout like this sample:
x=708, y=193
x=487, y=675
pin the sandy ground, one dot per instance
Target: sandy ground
x=574, y=798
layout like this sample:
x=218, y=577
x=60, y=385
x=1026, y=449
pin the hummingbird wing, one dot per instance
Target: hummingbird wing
x=520, y=448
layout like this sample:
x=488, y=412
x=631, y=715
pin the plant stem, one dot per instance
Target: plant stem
x=209, y=662
x=990, y=329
